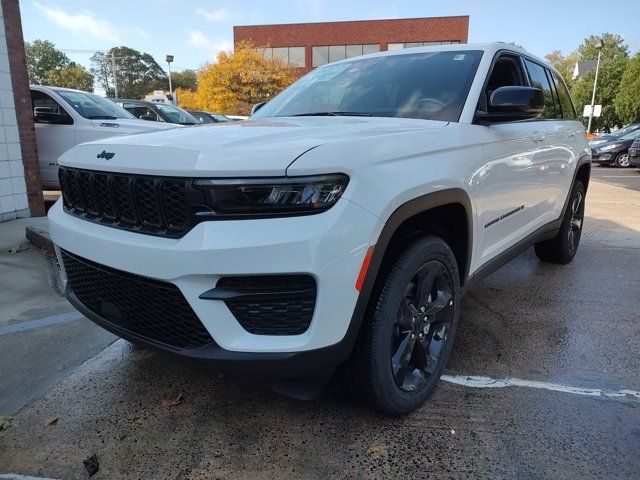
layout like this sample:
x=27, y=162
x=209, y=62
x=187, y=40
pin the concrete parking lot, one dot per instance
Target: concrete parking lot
x=566, y=337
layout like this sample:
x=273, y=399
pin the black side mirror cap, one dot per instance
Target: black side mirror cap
x=513, y=103
x=257, y=107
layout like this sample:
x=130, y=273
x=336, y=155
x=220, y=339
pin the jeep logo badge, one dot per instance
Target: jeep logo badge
x=106, y=155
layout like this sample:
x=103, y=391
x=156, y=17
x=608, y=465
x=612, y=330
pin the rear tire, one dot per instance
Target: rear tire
x=407, y=338
x=563, y=247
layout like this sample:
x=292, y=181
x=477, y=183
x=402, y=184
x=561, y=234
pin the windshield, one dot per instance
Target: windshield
x=92, y=106
x=432, y=85
x=221, y=118
x=175, y=114
x=630, y=136
x=625, y=131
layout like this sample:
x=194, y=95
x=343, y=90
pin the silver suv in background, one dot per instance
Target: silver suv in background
x=64, y=118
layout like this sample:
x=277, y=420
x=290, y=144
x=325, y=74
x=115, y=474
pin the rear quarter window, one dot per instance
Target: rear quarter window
x=568, y=110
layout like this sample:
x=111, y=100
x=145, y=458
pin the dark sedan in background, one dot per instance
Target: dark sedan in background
x=634, y=153
x=208, y=117
x=602, y=139
x=615, y=152
x=155, y=111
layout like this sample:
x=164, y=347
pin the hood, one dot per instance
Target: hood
x=123, y=126
x=254, y=148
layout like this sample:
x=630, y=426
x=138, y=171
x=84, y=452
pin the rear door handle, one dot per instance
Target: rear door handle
x=538, y=137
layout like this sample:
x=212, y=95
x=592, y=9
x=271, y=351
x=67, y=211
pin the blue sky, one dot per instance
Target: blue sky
x=194, y=31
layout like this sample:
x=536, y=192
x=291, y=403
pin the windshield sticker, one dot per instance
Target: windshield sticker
x=459, y=57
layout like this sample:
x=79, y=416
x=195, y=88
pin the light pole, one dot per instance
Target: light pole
x=599, y=44
x=169, y=60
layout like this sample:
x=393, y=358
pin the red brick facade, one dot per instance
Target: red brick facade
x=22, y=100
x=380, y=32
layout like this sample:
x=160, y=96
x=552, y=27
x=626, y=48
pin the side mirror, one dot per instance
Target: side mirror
x=47, y=115
x=513, y=103
x=150, y=117
x=257, y=107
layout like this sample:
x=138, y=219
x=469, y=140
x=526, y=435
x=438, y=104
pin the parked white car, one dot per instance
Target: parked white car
x=65, y=117
x=337, y=227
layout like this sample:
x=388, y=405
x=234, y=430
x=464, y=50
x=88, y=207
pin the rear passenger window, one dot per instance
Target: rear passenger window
x=568, y=110
x=538, y=79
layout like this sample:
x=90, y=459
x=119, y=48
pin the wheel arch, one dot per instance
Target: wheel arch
x=433, y=210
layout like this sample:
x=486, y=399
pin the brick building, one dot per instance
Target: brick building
x=20, y=184
x=309, y=45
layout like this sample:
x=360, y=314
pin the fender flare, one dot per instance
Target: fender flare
x=400, y=214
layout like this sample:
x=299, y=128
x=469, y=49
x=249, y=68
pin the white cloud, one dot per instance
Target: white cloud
x=212, y=47
x=82, y=24
x=214, y=15
x=141, y=33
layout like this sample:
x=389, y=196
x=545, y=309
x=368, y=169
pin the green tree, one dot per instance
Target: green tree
x=186, y=80
x=614, y=47
x=615, y=55
x=608, y=86
x=72, y=76
x=137, y=73
x=564, y=65
x=42, y=58
x=627, y=101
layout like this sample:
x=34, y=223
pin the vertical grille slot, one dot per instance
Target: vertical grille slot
x=87, y=192
x=124, y=199
x=141, y=203
x=174, y=196
x=147, y=200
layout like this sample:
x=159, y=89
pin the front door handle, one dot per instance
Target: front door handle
x=538, y=137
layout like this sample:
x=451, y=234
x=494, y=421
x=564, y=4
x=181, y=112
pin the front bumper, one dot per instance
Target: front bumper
x=329, y=247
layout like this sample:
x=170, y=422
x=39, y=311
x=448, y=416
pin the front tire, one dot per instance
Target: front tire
x=563, y=247
x=407, y=338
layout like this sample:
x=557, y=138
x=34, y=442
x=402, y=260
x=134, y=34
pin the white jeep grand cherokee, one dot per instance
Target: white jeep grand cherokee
x=338, y=226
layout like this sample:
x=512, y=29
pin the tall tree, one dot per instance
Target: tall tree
x=42, y=58
x=615, y=54
x=137, y=73
x=564, y=65
x=614, y=47
x=72, y=76
x=627, y=101
x=186, y=80
x=237, y=80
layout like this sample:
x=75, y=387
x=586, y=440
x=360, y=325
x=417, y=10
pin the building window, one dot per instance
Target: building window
x=323, y=55
x=292, y=56
x=400, y=46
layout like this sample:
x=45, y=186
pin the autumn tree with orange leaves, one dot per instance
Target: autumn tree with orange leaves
x=237, y=80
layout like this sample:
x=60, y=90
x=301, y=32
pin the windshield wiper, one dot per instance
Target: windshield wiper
x=333, y=114
x=102, y=117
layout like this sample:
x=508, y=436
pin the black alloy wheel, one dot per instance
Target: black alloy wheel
x=423, y=322
x=575, y=225
x=407, y=336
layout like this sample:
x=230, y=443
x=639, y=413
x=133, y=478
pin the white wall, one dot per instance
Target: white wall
x=13, y=191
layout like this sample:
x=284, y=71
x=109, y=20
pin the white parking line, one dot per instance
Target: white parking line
x=14, y=476
x=488, y=382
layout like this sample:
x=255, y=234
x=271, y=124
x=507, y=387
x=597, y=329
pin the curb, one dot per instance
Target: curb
x=40, y=238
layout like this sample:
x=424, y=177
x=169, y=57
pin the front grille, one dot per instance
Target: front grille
x=141, y=203
x=150, y=308
x=272, y=304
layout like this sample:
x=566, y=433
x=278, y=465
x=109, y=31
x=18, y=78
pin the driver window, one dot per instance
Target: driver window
x=507, y=72
x=45, y=104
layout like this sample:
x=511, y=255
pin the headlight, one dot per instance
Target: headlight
x=269, y=197
x=607, y=148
